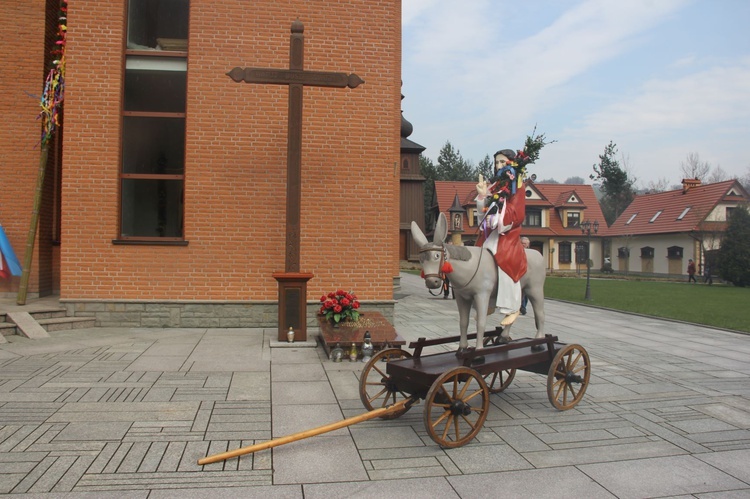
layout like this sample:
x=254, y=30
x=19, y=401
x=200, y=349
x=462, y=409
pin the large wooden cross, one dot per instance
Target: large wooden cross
x=293, y=282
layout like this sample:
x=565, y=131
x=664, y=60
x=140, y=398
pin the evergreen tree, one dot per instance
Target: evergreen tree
x=486, y=167
x=452, y=166
x=616, y=186
x=429, y=172
x=734, y=254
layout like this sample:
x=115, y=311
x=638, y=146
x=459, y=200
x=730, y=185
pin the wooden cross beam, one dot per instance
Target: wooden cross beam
x=293, y=282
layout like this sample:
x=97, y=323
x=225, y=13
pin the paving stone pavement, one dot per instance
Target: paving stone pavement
x=127, y=412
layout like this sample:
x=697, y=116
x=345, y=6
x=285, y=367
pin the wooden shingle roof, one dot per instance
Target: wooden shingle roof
x=676, y=211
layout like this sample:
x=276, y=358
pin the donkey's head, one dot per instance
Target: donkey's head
x=432, y=255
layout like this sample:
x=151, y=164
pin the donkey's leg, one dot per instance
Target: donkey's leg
x=481, y=301
x=537, y=303
x=464, y=313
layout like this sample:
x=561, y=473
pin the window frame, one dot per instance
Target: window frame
x=565, y=252
x=575, y=215
x=528, y=218
x=122, y=176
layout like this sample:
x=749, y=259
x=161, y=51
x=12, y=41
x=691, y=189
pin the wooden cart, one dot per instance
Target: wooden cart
x=456, y=386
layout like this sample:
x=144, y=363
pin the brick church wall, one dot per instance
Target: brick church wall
x=28, y=30
x=235, y=170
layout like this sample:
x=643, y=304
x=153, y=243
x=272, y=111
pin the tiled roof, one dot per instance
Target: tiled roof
x=675, y=211
x=446, y=191
x=562, y=193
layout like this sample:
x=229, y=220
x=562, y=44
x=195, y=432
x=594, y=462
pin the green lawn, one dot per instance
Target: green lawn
x=717, y=305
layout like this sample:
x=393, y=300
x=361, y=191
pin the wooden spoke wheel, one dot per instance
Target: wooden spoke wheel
x=376, y=388
x=568, y=377
x=456, y=407
x=500, y=380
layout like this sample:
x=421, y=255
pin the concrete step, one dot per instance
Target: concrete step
x=47, y=313
x=49, y=320
x=65, y=323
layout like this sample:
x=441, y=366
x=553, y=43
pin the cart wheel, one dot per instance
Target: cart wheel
x=500, y=380
x=376, y=388
x=456, y=407
x=568, y=377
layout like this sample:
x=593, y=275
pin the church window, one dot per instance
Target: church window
x=152, y=171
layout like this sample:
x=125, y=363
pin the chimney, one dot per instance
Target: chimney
x=689, y=183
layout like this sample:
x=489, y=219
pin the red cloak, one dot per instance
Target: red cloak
x=510, y=255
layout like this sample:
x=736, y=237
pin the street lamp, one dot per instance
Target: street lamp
x=586, y=227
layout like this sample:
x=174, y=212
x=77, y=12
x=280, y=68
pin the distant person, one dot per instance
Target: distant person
x=524, y=299
x=691, y=271
x=446, y=286
x=707, y=278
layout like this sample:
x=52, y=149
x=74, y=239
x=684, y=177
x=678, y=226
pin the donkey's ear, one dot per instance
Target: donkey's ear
x=418, y=235
x=441, y=229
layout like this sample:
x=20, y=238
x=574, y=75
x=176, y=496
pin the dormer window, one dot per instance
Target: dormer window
x=533, y=217
x=574, y=219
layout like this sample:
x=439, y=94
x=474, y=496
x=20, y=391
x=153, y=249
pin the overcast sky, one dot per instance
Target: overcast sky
x=660, y=78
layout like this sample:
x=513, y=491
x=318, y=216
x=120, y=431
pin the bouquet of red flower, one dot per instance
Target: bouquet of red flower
x=339, y=305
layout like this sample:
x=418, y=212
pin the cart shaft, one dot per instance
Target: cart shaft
x=383, y=411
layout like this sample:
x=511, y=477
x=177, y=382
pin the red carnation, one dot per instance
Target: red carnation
x=340, y=292
x=345, y=302
x=323, y=298
x=355, y=304
x=337, y=309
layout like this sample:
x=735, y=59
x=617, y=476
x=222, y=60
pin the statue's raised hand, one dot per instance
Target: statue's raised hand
x=482, y=187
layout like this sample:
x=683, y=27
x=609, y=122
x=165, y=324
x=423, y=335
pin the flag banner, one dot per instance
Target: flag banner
x=10, y=262
x=4, y=273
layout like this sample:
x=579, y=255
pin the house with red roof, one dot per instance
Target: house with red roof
x=554, y=213
x=658, y=233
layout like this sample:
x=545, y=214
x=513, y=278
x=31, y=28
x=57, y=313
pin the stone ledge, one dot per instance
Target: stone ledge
x=195, y=314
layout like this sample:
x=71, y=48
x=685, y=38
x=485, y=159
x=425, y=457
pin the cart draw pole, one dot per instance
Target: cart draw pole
x=383, y=411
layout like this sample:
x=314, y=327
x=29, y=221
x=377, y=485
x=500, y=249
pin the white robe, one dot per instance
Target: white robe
x=508, y=291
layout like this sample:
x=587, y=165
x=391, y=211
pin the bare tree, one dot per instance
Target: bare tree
x=574, y=180
x=693, y=167
x=745, y=179
x=659, y=185
x=717, y=175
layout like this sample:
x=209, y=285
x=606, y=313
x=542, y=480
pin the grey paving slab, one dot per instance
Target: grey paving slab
x=127, y=412
x=250, y=386
x=288, y=420
x=669, y=476
x=302, y=393
x=734, y=463
x=552, y=482
x=94, y=430
x=487, y=459
x=417, y=488
x=319, y=460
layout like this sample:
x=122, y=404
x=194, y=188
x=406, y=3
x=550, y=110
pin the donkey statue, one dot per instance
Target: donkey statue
x=474, y=279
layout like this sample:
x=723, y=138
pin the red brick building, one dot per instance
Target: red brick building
x=164, y=194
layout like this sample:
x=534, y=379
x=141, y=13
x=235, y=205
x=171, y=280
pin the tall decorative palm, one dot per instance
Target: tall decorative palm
x=51, y=103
